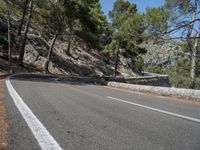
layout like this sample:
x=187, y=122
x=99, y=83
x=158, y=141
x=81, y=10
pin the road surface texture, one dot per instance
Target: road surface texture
x=84, y=116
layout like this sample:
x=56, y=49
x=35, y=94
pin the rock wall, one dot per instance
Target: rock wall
x=165, y=91
x=161, y=80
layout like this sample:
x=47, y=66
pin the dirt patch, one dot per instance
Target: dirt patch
x=3, y=123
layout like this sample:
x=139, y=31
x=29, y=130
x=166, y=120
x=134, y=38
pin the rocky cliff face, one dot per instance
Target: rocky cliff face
x=162, y=53
x=82, y=61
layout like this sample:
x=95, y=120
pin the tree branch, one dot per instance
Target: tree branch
x=182, y=26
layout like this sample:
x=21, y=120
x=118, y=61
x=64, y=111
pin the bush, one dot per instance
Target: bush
x=155, y=69
x=3, y=44
x=198, y=82
x=178, y=78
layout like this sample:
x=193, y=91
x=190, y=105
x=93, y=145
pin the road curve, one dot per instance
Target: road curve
x=81, y=115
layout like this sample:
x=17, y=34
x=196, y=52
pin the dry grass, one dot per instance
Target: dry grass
x=3, y=123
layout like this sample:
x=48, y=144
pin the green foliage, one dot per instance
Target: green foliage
x=49, y=18
x=139, y=64
x=133, y=27
x=128, y=32
x=55, y=19
x=183, y=15
x=84, y=20
x=179, y=77
x=198, y=82
x=85, y=17
x=93, y=23
x=2, y=6
x=179, y=73
x=97, y=16
x=14, y=6
x=157, y=21
x=155, y=69
x=182, y=6
x=72, y=18
x=120, y=7
x=3, y=44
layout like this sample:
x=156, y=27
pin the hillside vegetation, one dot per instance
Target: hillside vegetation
x=61, y=37
x=75, y=37
x=170, y=57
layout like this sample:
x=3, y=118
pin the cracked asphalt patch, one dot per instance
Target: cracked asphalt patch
x=3, y=123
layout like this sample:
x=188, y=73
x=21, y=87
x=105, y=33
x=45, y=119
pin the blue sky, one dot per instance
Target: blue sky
x=107, y=5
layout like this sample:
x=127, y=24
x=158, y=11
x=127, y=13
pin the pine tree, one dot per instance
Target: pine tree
x=186, y=17
x=128, y=32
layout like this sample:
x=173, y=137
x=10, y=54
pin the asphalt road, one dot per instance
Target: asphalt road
x=83, y=116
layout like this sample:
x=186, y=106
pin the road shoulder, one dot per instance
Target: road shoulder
x=3, y=122
x=19, y=135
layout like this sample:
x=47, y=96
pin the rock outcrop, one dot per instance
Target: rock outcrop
x=162, y=53
x=82, y=61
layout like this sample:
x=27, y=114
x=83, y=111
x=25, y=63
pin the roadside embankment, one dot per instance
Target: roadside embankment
x=164, y=91
x=3, y=124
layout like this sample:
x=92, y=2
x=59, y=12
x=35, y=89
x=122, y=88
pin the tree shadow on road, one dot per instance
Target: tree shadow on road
x=60, y=79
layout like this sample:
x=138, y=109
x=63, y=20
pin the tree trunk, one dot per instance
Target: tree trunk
x=69, y=45
x=189, y=34
x=193, y=61
x=23, y=17
x=192, y=48
x=116, y=62
x=23, y=42
x=9, y=44
x=46, y=65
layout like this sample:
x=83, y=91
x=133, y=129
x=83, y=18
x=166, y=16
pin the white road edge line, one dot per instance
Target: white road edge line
x=43, y=137
x=157, y=110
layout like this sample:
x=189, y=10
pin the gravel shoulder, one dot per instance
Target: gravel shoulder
x=3, y=123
